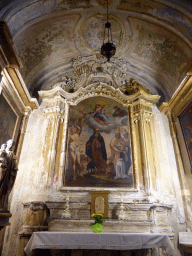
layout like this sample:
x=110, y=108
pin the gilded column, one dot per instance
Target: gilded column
x=136, y=149
x=54, y=117
x=137, y=159
x=53, y=120
x=143, y=140
x=63, y=145
x=145, y=148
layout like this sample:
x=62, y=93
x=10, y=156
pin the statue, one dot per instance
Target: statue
x=8, y=171
x=132, y=86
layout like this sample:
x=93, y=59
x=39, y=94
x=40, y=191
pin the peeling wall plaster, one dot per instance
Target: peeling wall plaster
x=47, y=43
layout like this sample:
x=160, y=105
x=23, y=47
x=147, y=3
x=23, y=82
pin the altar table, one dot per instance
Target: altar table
x=114, y=241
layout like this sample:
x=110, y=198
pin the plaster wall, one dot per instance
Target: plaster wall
x=170, y=189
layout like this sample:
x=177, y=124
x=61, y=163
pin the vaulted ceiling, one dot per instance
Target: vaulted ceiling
x=61, y=39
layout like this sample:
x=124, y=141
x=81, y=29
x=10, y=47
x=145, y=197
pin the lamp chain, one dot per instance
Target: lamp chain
x=107, y=12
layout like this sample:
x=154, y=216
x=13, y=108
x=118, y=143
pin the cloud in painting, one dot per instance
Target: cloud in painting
x=107, y=128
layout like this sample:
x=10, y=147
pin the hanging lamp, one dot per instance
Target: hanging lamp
x=108, y=49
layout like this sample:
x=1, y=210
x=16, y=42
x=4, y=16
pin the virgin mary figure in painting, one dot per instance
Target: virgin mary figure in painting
x=96, y=151
x=100, y=115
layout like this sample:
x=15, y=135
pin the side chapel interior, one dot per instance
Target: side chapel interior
x=93, y=136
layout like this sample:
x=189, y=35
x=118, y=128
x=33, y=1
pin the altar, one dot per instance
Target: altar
x=101, y=241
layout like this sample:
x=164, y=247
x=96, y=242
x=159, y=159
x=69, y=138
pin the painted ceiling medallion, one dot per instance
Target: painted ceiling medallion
x=93, y=31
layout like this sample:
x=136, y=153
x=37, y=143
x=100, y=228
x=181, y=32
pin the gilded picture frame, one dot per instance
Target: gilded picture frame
x=185, y=119
x=99, y=145
x=99, y=202
x=9, y=120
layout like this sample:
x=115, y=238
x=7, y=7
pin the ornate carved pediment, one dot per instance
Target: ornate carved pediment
x=91, y=69
x=67, y=84
x=96, y=67
x=100, y=89
x=132, y=92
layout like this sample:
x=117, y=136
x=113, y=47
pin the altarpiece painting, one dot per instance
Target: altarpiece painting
x=7, y=120
x=98, y=147
x=186, y=125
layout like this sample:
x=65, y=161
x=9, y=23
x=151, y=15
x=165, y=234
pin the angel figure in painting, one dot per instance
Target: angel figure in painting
x=118, y=112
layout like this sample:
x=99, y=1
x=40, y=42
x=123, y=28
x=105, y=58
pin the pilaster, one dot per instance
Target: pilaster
x=143, y=143
x=53, y=136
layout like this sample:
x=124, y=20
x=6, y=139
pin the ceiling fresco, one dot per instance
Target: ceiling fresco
x=60, y=40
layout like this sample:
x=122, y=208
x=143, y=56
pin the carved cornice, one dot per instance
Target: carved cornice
x=100, y=89
x=35, y=206
x=16, y=91
x=180, y=99
x=12, y=83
